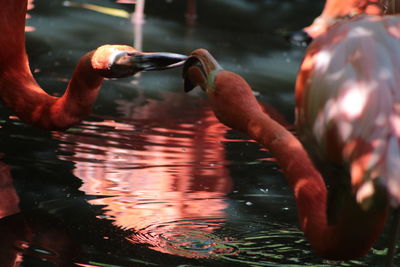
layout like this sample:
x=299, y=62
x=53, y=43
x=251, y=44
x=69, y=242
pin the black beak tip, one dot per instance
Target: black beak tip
x=158, y=61
x=169, y=60
x=174, y=59
x=188, y=85
x=298, y=38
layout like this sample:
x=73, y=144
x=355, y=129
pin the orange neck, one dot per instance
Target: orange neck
x=355, y=231
x=19, y=90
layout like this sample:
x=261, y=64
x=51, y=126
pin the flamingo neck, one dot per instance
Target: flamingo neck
x=355, y=230
x=21, y=93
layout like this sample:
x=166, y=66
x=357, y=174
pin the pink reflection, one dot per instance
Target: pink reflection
x=18, y=233
x=9, y=205
x=9, y=198
x=159, y=174
x=30, y=6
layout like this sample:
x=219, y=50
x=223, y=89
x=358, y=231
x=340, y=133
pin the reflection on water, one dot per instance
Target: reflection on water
x=30, y=6
x=40, y=236
x=163, y=178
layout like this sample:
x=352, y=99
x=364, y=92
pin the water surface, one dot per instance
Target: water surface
x=151, y=178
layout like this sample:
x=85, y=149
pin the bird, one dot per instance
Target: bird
x=20, y=92
x=347, y=99
x=347, y=109
x=347, y=125
x=336, y=11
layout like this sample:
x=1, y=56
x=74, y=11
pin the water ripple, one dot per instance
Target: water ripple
x=189, y=238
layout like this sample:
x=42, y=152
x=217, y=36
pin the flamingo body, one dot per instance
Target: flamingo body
x=348, y=102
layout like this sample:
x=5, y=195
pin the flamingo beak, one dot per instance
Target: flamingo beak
x=129, y=63
x=193, y=64
x=157, y=61
x=299, y=38
x=199, y=69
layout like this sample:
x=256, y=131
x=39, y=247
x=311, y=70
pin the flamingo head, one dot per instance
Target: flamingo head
x=200, y=69
x=334, y=12
x=119, y=61
x=231, y=97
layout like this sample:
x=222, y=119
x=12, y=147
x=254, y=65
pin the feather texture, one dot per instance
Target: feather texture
x=348, y=101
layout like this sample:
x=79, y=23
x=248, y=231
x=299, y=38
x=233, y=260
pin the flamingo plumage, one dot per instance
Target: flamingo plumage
x=21, y=93
x=235, y=105
x=341, y=10
x=343, y=165
x=347, y=104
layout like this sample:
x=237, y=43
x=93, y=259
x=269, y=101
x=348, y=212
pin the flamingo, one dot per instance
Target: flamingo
x=235, y=105
x=347, y=102
x=347, y=110
x=336, y=11
x=343, y=169
x=22, y=95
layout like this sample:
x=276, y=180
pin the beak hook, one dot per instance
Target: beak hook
x=157, y=60
x=205, y=65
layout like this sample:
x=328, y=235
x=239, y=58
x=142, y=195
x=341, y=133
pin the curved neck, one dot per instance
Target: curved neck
x=355, y=230
x=21, y=93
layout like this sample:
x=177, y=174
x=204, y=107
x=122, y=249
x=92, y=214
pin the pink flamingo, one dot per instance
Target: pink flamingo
x=348, y=119
x=21, y=93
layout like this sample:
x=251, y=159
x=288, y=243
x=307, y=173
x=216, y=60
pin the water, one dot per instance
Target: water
x=151, y=178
